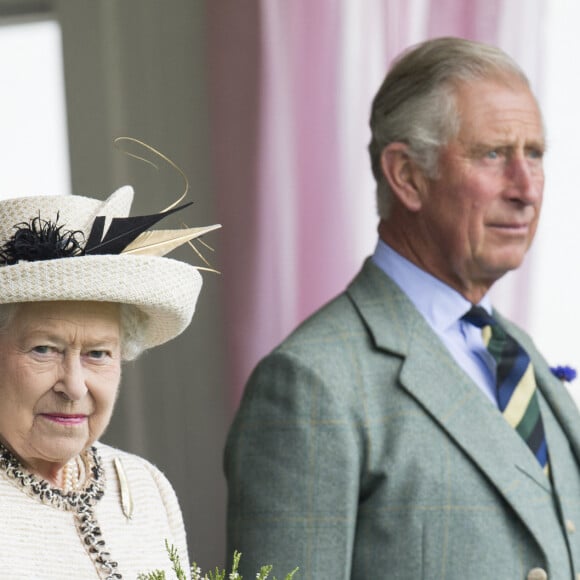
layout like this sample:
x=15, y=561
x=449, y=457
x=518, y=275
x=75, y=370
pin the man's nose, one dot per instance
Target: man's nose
x=527, y=178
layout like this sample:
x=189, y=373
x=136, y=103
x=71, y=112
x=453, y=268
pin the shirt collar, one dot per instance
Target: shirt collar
x=438, y=303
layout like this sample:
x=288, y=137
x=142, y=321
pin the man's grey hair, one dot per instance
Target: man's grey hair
x=132, y=322
x=416, y=102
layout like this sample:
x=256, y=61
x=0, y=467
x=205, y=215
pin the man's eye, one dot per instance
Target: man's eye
x=535, y=153
x=494, y=154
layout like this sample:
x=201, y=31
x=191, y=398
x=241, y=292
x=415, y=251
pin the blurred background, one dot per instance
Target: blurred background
x=264, y=105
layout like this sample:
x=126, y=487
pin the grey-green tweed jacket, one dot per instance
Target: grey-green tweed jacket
x=362, y=451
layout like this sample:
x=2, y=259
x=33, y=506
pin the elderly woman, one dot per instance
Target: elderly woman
x=82, y=287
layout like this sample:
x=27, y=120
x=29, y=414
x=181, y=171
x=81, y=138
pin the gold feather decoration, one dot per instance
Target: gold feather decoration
x=118, y=140
x=161, y=242
x=132, y=236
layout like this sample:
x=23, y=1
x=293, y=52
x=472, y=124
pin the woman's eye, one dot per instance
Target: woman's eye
x=42, y=349
x=97, y=354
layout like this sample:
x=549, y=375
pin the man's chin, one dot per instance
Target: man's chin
x=499, y=269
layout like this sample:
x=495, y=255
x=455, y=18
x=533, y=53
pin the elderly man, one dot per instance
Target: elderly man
x=407, y=430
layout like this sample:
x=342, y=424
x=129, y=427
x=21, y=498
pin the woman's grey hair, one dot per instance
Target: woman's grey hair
x=132, y=321
x=416, y=103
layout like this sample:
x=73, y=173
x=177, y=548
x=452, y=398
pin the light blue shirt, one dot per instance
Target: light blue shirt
x=442, y=307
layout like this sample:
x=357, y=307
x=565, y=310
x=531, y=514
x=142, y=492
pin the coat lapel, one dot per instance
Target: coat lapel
x=432, y=377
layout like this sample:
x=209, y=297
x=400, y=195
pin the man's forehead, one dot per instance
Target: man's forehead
x=499, y=111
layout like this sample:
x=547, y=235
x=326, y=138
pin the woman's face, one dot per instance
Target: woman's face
x=60, y=368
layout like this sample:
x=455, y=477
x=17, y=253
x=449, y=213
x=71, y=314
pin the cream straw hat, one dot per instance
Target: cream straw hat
x=130, y=270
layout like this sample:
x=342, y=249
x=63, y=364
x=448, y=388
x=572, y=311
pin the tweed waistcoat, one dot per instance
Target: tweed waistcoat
x=564, y=505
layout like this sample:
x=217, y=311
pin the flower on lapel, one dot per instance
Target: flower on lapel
x=564, y=373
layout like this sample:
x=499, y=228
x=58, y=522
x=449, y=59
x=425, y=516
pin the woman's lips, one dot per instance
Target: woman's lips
x=63, y=419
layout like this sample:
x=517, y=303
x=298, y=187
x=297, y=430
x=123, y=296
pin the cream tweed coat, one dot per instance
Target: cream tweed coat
x=39, y=541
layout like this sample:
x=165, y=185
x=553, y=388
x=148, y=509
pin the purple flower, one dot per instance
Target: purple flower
x=564, y=373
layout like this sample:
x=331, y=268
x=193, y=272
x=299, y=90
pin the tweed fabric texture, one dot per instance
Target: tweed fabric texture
x=165, y=290
x=361, y=450
x=41, y=542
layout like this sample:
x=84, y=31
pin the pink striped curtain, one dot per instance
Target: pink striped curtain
x=291, y=85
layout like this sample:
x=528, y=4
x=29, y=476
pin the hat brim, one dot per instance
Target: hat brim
x=164, y=289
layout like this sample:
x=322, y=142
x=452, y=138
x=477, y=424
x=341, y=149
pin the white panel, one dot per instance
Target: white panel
x=33, y=131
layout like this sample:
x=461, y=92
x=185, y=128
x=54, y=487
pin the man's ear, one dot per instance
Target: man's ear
x=404, y=176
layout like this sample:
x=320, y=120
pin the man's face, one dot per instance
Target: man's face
x=479, y=217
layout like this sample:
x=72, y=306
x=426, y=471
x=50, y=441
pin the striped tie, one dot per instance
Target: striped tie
x=515, y=382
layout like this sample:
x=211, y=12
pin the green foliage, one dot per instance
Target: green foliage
x=217, y=574
x=174, y=557
x=157, y=575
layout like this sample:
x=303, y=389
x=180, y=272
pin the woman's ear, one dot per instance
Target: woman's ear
x=404, y=176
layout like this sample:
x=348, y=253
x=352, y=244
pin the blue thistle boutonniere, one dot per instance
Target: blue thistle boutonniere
x=564, y=373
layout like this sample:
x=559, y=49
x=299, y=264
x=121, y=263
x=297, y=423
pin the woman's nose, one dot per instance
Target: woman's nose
x=71, y=380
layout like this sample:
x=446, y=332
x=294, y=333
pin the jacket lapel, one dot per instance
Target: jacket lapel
x=432, y=377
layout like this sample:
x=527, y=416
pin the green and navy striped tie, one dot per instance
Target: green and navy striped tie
x=515, y=383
